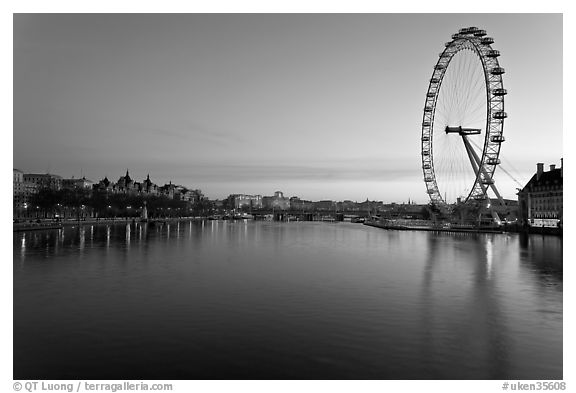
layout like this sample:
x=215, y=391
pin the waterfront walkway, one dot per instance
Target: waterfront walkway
x=421, y=225
x=31, y=225
x=405, y=225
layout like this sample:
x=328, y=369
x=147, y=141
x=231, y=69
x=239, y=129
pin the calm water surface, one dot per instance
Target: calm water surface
x=265, y=300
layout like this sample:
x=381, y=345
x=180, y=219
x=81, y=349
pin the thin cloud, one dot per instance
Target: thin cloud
x=289, y=172
x=213, y=134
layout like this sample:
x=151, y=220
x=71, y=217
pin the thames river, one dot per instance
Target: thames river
x=269, y=300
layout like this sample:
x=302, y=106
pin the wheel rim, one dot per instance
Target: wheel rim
x=465, y=90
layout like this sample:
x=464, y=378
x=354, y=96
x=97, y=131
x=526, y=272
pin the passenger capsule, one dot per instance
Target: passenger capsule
x=439, y=66
x=497, y=71
x=498, y=138
x=487, y=40
x=428, y=109
x=499, y=92
x=487, y=181
x=500, y=115
x=455, y=36
x=428, y=179
x=435, y=80
x=479, y=33
x=493, y=53
x=425, y=138
x=425, y=153
x=493, y=161
x=431, y=94
x=425, y=124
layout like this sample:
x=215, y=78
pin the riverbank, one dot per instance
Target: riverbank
x=51, y=224
x=18, y=227
x=419, y=226
x=430, y=228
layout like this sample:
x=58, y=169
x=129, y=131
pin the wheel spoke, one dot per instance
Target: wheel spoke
x=460, y=95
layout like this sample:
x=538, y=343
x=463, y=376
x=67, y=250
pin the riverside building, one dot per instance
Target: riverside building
x=540, y=200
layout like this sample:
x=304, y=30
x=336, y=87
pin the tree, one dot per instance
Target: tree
x=45, y=200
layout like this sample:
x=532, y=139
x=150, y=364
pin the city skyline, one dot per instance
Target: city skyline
x=318, y=106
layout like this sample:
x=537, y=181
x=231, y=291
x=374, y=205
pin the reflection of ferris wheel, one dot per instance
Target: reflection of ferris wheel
x=463, y=123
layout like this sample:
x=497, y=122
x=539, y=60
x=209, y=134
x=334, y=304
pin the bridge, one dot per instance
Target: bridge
x=307, y=215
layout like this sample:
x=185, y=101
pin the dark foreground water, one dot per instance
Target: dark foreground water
x=263, y=300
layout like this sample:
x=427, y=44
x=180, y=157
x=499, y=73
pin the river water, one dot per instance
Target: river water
x=268, y=300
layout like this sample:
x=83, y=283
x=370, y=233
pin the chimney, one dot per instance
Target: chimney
x=539, y=170
x=552, y=167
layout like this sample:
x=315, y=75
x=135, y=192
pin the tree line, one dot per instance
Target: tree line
x=82, y=203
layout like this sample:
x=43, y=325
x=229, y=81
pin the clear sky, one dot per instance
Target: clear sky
x=322, y=106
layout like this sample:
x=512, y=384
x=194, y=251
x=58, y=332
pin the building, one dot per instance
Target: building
x=506, y=213
x=540, y=201
x=348, y=206
x=147, y=187
x=168, y=190
x=182, y=193
x=410, y=211
x=325, y=205
x=126, y=185
x=372, y=206
x=300, y=204
x=18, y=176
x=104, y=185
x=18, y=183
x=18, y=190
x=82, y=183
x=54, y=182
x=247, y=201
x=278, y=201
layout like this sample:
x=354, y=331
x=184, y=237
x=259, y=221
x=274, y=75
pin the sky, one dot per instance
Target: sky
x=320, y=106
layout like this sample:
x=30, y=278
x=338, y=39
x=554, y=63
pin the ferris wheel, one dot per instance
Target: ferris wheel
x=463, y=123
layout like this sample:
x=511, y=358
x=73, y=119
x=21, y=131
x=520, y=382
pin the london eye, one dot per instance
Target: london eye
x=463, y=122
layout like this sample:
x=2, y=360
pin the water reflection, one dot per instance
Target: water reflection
x=82, y=231
x=489, y=257
x=128, y=236
x=286, y=300
x=145, y=233
x=460, y=298
x=57, y=241
x=542, y=253
x=23, y=246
